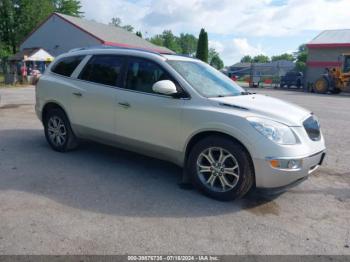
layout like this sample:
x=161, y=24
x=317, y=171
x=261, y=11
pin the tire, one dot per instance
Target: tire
x=298, y=84
x=321, y=86
x=210, y=182
x=58, y=131
x=336, y=91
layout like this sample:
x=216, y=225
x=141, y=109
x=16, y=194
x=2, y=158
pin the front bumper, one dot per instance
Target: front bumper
x=268, y=177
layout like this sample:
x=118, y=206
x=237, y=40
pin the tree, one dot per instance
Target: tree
x=214, y=59
x=157, y=40
x=139, y=34
x=170, y=41
x=184, y=44
x=116, y=21
x=68, y=7
x=128, y=28
x=188, y=44
x=247, y=59
x=285, y=56
x=202, y=46
x=7, y=26
x=301, y=57
x=261, y=59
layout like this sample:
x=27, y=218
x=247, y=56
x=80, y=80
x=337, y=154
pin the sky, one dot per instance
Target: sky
x=235, y=27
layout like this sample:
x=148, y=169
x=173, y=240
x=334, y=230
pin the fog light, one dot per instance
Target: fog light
x=292, y=164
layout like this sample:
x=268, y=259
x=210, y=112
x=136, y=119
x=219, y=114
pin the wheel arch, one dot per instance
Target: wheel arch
x=206, y=133
x=52, y=105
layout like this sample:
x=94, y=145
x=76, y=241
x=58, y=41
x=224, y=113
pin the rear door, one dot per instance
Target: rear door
x=93, y=96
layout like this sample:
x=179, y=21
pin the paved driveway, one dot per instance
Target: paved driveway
x=101, y=200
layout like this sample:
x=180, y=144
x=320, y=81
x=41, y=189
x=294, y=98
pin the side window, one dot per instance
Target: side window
x=67, y=65
x=103, y=69
x=142, y=74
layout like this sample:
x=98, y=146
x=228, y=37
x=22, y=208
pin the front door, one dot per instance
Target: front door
x=148, y=119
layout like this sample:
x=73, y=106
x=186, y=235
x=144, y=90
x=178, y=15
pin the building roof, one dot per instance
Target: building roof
x=32, y=54
x=331, y=38
x=109, y=34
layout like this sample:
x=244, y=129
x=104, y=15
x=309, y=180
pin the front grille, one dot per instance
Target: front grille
x=312, y=128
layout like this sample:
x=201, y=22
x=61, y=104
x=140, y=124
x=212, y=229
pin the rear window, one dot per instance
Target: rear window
x=67, y=65
x=103, y=69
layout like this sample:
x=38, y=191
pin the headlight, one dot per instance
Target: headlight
x=277, y=132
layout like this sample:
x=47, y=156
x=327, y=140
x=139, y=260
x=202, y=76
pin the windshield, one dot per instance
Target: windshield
x=205, y=79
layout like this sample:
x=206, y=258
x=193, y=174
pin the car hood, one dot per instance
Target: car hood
x=267, y=107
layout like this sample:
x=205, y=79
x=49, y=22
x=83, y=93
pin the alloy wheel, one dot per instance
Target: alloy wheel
x=57, y=131
x=218, y=169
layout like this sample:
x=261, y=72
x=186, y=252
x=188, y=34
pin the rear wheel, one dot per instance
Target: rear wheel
x=299, y=83
x=58, y=131
x=321, y=86
x=220, y=168
x=336, y=91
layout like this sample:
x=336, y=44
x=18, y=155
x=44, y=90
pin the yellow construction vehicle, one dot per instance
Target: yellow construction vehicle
x=336, y=79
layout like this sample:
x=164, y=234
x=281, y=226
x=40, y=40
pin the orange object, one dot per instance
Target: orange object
x=274, y=163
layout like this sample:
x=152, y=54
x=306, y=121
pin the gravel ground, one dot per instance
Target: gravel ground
x=101, y=200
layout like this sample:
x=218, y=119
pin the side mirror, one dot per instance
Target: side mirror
x=164, y=87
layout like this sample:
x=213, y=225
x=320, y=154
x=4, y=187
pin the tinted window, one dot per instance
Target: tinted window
x=142, y=74
x=103, y=69
x=67, y=65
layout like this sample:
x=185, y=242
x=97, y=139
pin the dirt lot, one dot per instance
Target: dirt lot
x=101, y=200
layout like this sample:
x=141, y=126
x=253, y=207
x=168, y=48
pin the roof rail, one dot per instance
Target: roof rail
x=112, y=47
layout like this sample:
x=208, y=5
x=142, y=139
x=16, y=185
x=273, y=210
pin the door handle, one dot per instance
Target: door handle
x=77, y=94
x=124, y=104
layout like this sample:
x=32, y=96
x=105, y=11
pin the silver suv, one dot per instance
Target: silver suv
x=181, y=110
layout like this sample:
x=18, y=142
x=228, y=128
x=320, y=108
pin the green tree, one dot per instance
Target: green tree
x=247, y=59
x=261, y=59
x=68, y=7
x=8, y=17
x=202, y=46
x=301, y=58
x=128, y=28
x=188, y=44
x=170, y=41
x=139, y=34
x=214, y=59
x=285, y=56
x=157, y=40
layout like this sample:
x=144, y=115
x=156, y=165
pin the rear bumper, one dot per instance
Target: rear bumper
x=268, y=177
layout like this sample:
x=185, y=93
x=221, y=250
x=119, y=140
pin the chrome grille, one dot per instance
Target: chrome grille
x=312, y=128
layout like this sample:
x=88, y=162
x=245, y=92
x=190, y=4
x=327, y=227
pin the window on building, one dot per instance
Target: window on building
x=67, y=65
x=103, y=69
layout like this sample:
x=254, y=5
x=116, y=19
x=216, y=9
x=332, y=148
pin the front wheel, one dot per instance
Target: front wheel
x=220, y=168
x=321, y=86
x=58, y=131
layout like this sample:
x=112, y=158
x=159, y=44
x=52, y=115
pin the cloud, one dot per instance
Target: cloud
x=234, y=49
x=236, y=20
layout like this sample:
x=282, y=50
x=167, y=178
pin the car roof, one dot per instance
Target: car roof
x=126, y=51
